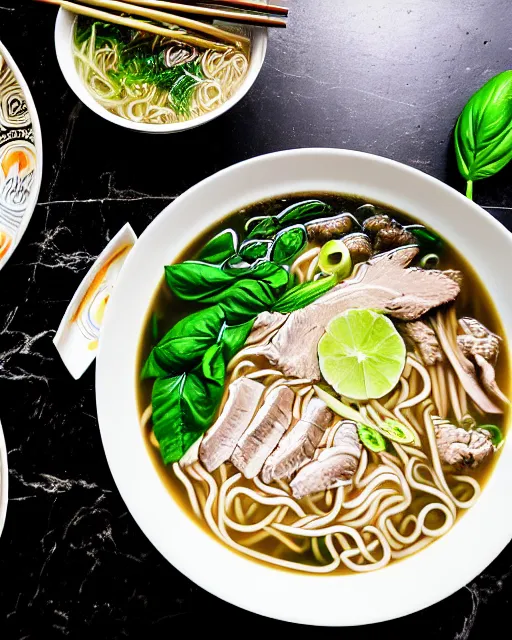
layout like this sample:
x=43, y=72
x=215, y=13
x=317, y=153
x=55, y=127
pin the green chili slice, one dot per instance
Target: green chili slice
x=396, y=431
x=335, y=258
x=371, y=438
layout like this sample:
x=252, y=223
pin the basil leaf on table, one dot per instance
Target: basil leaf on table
x=185, y=343
x=201, y=282
x=483, y=134
x=288, y=244
x=304, y=211
x=185, y=405
x=304, y=294
x=219, y=248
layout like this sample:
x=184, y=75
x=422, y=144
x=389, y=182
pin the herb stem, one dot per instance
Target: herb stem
x=469, y=189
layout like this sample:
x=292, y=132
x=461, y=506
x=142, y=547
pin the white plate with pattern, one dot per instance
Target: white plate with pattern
x=21, y=156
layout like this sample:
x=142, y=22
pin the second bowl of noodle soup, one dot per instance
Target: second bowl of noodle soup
x=153, y=83
x=258, y=453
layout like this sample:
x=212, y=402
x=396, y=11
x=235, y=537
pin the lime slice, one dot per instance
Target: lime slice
x=361, y=354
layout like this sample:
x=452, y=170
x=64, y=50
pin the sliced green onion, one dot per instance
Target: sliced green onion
x=335, y=258
x=396, y=431
x=371, y=438
x=494, y=432
x=430, y=261
x=337, y=406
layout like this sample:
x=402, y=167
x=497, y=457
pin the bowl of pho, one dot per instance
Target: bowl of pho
x=303, y=387
x=155, y=83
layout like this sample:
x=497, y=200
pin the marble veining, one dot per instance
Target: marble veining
x=384, y=77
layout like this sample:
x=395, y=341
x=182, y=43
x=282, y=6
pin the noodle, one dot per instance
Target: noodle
x=396, y=502
x=130, y=87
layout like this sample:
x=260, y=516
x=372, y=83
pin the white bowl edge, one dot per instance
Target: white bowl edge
x=63, y=47
x=435, y=572
x=38, y=143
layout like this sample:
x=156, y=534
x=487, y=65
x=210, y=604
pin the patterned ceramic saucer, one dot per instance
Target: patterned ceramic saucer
x=21, y=155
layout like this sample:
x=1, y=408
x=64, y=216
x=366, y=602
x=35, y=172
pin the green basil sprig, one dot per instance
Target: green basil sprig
x=483, y=134
x=201, y=282
x=185, y=405
x=220, y=247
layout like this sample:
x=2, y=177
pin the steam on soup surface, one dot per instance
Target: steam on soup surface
x=321, y=385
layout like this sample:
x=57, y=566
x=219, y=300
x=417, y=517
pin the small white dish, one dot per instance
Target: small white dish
x=78, y=335
x=21, y=156
x=400, y=588
x=64, y=44
x=4, y=480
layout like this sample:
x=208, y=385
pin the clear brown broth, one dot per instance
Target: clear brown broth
x=474, y=300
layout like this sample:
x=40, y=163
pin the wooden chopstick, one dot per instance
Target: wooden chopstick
x=139, y=25
x=250, y=5
x=221, y=14
x=162, y=16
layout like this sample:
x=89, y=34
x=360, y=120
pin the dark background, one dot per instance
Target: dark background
x=385, y=77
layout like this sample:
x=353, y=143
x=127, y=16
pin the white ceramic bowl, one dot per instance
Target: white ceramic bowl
x=4, y=480
x=63, y=47
x=399, y=589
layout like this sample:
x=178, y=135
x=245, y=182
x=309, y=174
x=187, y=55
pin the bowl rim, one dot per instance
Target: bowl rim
x=4, y=480
x=272, y=593
x=63, y=38
x=38, y=144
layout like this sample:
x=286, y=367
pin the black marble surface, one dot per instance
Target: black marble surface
x=386, y=77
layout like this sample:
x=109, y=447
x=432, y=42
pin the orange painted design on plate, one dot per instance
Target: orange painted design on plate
x=98, y=279
x=100, y=311
x=5, y=242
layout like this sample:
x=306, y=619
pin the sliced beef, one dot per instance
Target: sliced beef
x=378, y=222
x=460, y=448
x=338, y=463
x=359, y=246
x=220, y=440
x=383, y=283
x=488, y=379
x=391, y=238
x=300, y=443
x=465, y=371
x=478, y=340
x=424, y=338
x=325, y=229
x=266, y=429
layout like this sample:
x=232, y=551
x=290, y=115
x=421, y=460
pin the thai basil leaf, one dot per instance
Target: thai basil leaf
x=304, y=294
x=219, y=248
x=201, y=282
x=247, y=298
x=266, y=228
x=303, y=211
x=233, y=338
x=288, y=244
x=185, y=344
x=483, y=134
x=184, y=406
x=236, y=266
x=251, y=250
